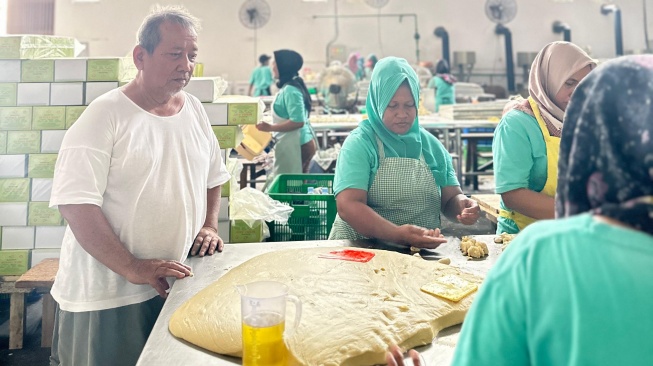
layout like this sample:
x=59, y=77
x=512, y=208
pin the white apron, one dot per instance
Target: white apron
x=287, y=149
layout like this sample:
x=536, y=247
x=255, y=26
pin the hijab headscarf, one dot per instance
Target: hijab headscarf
x=388, y=75
x=442, y=70
x=352, y=62
x=606, y=151
x=288, y=64
x=553, y=65
x=371, y=61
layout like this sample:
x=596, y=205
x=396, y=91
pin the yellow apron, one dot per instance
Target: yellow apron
x=552, y=145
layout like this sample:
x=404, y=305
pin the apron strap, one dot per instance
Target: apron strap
x=538, y=117
x=380, y=146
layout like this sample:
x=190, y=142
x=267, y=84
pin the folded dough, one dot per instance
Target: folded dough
x=351, y=312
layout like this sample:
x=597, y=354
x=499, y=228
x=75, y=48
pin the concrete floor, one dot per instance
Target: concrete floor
x=33, y=355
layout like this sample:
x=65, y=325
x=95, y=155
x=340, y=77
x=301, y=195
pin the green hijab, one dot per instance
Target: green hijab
x=388, y=75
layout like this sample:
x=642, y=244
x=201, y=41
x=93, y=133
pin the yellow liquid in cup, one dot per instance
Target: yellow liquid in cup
x=263, y=340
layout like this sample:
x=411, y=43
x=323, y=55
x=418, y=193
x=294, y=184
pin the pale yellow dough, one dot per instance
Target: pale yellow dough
x=351, y=311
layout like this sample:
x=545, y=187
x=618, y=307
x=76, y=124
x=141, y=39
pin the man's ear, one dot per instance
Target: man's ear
x=139, y=55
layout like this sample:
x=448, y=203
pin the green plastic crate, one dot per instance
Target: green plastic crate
x=314, y=213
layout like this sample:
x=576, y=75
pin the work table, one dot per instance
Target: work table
x=162, y=348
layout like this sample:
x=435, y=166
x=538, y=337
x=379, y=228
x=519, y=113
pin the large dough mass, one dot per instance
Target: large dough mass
x=351, y=311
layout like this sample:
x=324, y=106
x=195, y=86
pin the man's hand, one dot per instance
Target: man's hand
x=155, y=271
x=206, y=242
x=394, y=356
x=419, y=237
x=469, y=211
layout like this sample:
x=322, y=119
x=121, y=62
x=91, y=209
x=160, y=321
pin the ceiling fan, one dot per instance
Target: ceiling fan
x=501, y=11
x=378, y=4
x=254, y=14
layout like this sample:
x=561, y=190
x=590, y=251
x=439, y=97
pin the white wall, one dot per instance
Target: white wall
x=227, y=47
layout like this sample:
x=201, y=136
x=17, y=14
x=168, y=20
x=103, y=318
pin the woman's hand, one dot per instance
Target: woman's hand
x=419, y=237
x=264, y=126
x=394, y=356
x=457, y=206
x=469, y=211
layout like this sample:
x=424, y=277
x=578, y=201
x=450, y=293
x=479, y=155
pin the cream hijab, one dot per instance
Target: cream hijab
x=555, y=63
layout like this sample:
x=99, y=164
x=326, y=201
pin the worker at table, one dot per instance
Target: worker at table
x=294, y=138
x=261, y=78
x=354, y=65
x=527, y=139
x=443, y=83
x=370, y=64
x=393, y=178
x=574, y=291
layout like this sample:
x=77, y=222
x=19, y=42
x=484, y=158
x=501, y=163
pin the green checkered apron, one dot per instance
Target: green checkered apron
x=403, y=192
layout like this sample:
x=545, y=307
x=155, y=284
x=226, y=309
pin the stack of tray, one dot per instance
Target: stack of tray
x=473, y=111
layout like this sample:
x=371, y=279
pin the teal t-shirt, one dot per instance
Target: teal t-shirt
x=289, y=104
x=445, y=93
x=519, y=155
x=574, y=291
x=358, y=162
x=261, y=78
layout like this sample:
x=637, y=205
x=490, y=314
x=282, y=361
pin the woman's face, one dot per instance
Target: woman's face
x=400, y=114
x=564, y=94
x=275, y=71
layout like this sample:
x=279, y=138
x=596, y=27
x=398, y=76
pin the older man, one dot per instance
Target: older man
x=138, y=180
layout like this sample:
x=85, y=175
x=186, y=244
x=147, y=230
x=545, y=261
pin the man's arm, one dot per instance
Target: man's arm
x=208, y=239
x=213, y=196
x=279, y=127
x=95, y=235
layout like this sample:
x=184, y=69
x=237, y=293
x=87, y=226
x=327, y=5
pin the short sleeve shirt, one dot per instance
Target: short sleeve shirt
x=149, y=175
x=358, y=162
x=261, y=78
x=289, y=104
x=445, y=92
x=565, y=292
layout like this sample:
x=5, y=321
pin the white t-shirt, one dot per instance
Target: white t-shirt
x=150, y=176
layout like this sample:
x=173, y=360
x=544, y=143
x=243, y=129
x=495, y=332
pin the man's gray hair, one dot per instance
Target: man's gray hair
x=149, y=34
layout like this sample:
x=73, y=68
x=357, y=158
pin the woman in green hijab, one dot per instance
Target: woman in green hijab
x=393, y=178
